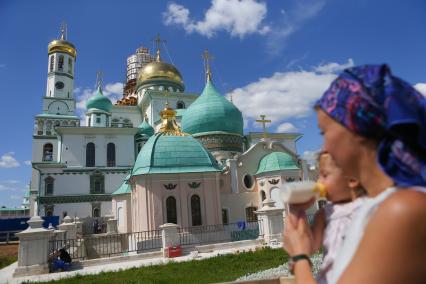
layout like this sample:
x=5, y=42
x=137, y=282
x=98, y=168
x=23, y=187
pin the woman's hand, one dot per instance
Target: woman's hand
x=297, y=234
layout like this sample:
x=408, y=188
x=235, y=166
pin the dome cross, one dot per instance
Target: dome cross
x=263, y=121
x=207, y=57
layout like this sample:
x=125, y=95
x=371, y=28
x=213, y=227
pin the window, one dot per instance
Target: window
x=250, y=215
x=69, y=65
x=96, y=211
x=61, y=63
x=90, y=155
x=171, y=212
x=98, y=118
x=127, y=123
x=111, y=155
x=196, y=210
x=47, y=152
x=225, y=217
x=180, y=105
x=263, y=195
x=48, y=210
x=52, y=61
x=115, y=122
x=90, y=121
x=248, y=181
x=97, y=183
x=48, y=186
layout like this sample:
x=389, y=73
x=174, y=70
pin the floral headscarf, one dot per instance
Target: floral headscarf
x=371, y=102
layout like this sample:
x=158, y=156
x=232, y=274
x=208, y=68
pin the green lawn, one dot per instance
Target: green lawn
x=216, y=269
x=7, y=260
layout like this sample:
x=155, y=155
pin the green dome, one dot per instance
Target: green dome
x=99, y=101
x=173, y=154
x=212, y=112
x=123, y=189
x=276, y=161
x=145, y=128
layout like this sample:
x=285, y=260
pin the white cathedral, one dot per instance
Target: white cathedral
x=159, y=155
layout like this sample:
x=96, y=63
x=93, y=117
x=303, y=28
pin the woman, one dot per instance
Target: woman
x=374, y=126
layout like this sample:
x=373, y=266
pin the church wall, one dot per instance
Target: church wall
x=236, y=204
x=74, y=149
x=130, y=112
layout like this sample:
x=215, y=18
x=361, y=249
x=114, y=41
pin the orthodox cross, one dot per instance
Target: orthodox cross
x=158, y=41
x=63, y=31
x=264, y=121
x=207, y=57
x=99, y=79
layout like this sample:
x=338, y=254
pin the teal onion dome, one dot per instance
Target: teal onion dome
x=164, y=153
x=276, y=161
x=212, y=112
x=99, y=101
x=145, y=129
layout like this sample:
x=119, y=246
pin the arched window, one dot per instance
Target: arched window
x=250, y=215
x=180, y=105
x=97, y=183
x=263, y=195
x=196, y=210
x=52, y=61
x=110, y=155
x=69, y=65
x=48, y=186
x=47, y=152
x=171, y=212
x=96, y=212
x=61, y=63
x=90, y=155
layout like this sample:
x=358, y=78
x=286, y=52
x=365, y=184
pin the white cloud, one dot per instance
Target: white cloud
x=2, y=65
x=292, y=20
x=286, y=127
x=310, y=156
x=27, y=162
x=8, y=161
x=113, y=91
x=16, y=197
x=237, y=17
x=12, y=181
x=285, y=95
x=421, y=87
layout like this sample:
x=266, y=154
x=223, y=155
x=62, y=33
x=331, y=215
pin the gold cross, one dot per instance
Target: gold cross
x=264, y=121
x=207, y=57
x=158, y=42
x=63, y=31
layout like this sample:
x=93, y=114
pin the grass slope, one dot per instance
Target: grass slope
x=216, y=269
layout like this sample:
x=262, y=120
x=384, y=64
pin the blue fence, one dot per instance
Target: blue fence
x=20, y=224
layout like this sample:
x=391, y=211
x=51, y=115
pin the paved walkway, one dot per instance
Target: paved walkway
x=6, y=273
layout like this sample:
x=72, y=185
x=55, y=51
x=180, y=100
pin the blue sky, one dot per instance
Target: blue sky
x=274, y=57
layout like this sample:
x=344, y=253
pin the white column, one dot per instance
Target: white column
x=33, y=249
x=169, y=236
x=69, y=227
x=271, y=221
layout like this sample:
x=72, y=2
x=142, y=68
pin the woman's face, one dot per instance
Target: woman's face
x=343, y=145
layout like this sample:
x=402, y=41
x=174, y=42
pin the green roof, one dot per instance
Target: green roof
x=173, y=154
x=145, y=128
x=58, y=116
x=276, y=161
x=180, y=111
x=212, y=112
x=123, y=189
x=99, y=101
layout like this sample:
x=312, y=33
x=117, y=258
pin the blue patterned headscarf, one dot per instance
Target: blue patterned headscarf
x=371, y=102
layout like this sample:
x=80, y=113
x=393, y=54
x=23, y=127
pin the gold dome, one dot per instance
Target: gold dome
x=60, y=45
x=159, y=70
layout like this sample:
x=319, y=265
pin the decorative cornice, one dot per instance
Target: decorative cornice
x=194, y=184
x=74, y=198
x=170, y=186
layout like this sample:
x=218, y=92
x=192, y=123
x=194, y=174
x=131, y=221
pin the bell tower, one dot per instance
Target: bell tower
x=59, y=97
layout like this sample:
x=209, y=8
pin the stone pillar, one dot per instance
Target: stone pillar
x=79, y=227
x=169, y=236
x=69, y=227
x=112, y=226
x=271, y=221
x=33, y=249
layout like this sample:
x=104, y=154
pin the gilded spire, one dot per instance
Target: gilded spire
x=207, y=57
x=158, y=42
x=169, y=125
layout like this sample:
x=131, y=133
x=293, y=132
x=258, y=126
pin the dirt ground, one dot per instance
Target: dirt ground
x=9, y=250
